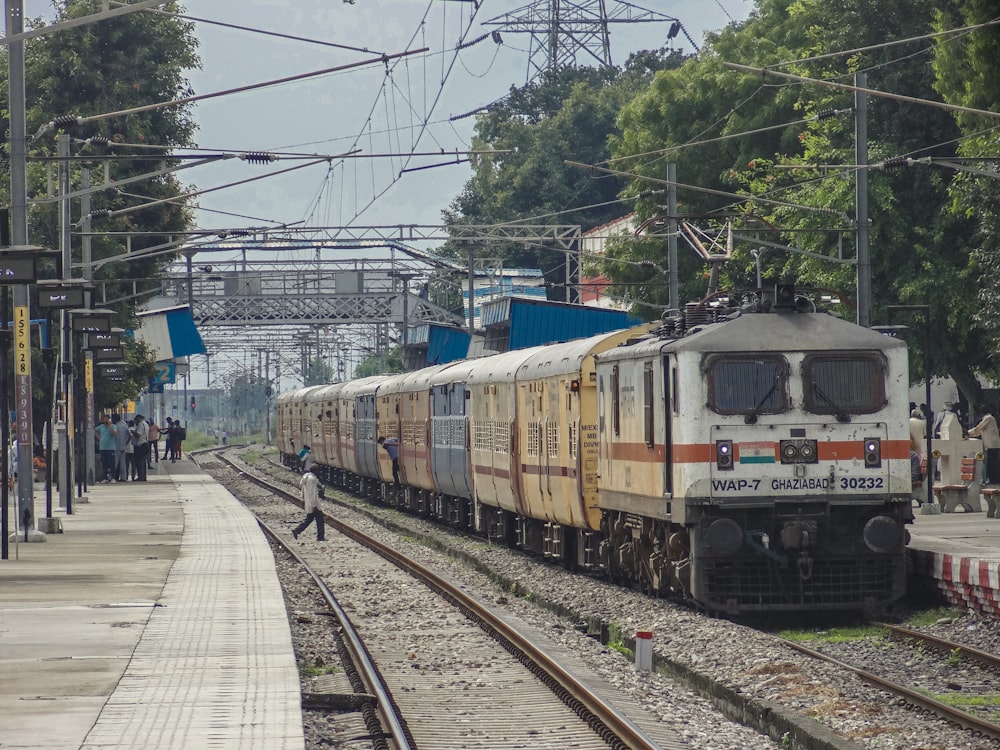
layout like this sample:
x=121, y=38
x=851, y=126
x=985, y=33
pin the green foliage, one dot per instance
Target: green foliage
x=834, y=635
x=381, y=363
x=920, y=249
x=319, y=372
x=931, y=616
x=117, y=64
x=967, y=71
x=567, y=115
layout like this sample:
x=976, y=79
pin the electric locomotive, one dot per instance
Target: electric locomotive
x=757, y=459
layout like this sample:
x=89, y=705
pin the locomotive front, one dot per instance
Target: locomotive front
x=786, y=465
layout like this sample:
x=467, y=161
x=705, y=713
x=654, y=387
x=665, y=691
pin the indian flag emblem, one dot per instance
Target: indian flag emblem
x=757, y=453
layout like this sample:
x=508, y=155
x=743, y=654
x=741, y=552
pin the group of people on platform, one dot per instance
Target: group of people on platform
x=945, y=423
x=128, y=448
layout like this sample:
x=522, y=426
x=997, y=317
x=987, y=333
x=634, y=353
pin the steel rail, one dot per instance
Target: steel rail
x=983, y=657
x=367, y=670
x=911, y=697
x=610, y=724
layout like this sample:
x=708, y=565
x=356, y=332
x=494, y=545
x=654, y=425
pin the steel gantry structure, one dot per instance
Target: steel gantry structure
x=300, y=294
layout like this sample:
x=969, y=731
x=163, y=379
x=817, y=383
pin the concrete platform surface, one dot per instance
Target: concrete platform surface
x=155, y=620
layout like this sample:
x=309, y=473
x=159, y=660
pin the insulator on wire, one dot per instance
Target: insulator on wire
x=258, y=157
x=896, y=162
x=826, y=114
x=98, y=213
x=98, y=140
x=65, y=120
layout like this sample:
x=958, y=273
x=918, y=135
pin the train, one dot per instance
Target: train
x=748, y=453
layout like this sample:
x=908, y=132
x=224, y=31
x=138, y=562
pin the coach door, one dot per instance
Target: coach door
x=669, y=385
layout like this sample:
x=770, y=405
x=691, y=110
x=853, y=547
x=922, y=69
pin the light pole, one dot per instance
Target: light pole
x=925, y=310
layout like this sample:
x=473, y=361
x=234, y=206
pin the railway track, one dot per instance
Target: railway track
x=478, y=713
x=980, y=724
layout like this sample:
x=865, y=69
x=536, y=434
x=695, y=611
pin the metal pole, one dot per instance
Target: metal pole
x=674, y=284
x=88, y=273
x=65, y=358
x=861, y=199
x=19, y=236
x=927, y=395
x=4, y=425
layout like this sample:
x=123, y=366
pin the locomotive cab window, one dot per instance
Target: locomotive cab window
x=747, y=385
x=844, y=383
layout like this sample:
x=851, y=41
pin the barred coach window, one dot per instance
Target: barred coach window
x=844, y=382
x=747, y=385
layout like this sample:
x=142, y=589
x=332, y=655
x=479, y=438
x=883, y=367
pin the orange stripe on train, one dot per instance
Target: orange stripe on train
x=693, y=453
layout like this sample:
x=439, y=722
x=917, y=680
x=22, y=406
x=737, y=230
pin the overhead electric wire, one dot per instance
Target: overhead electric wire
x=883, y=45
x=79, y=120
x=265, y=32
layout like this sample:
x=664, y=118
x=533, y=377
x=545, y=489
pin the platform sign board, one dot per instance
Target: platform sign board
x=99, y=340
x=109, y=353
x=166, y=373
x=154, y=387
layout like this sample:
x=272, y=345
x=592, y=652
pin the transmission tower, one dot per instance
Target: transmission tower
x=564, y=34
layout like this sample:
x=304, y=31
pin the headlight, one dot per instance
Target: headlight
x=873, y=452
x=724, y=454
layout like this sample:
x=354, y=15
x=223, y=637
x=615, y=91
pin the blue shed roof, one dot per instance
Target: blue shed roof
x=533, y=322
x=446, y=345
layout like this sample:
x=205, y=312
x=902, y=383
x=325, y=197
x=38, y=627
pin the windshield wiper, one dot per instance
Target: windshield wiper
x=841, y=415
x=751, y=418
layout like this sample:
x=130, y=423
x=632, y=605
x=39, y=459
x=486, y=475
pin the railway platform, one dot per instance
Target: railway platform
x=958, y=555
x=154, y=620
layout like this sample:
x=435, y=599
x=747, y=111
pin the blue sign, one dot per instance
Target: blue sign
x=154, y=387
x=165, y=373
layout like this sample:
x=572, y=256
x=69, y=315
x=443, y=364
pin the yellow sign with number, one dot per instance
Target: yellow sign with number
x=22, y=341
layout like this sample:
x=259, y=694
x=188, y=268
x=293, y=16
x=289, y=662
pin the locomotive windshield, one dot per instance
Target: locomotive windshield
x=747, y=385
x=844, y=383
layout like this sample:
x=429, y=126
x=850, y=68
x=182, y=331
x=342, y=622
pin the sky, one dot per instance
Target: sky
x=324, y=115
x=392, y=108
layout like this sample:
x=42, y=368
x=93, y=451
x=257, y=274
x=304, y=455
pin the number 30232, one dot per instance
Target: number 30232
x=862, y=483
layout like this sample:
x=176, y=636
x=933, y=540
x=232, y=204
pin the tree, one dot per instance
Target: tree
x=320, y=371
x=382, y=363
x=566, y=115
x=918, y=246
x=113, y=65
x=967, y=69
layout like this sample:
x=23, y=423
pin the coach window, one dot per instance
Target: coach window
x=844, y=383
x=747, y=385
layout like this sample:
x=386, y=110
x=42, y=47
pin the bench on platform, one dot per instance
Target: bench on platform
x=992, y=506
x=953, y=496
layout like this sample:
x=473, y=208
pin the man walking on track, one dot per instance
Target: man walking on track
x=309, y=485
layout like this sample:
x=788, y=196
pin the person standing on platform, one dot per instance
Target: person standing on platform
x=167, y=447
x=918, y=431
x=179, y=436
x=154, y=443
x=309, y=484
x=140, y=439
x=391, y=446
x=130, y=454
x=987, y=430
x=106, y=446
x=122, y=438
